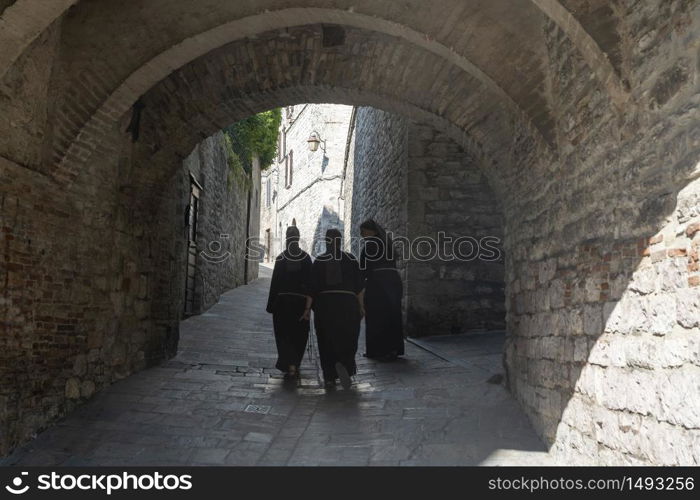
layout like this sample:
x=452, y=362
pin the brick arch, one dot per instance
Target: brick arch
x=159, y=67
x=184, y=135
x=211, y=93
x=75, y=135
x=29, y=18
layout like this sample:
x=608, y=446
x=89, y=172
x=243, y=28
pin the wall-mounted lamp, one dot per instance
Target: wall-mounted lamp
x=314, y=141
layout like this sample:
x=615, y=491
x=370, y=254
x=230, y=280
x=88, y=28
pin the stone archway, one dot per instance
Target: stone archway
x=133, y=68
x=589, y=177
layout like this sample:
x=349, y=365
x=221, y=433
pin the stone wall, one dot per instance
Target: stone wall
x=347, y=187
x=75, y=303
x=222, y=220
x=449, y=194
x=417, y=182
x=76, y=297
x=379, y=175
x=92, y=271
x=27, y=104
x=602, y=277
x=595, y=166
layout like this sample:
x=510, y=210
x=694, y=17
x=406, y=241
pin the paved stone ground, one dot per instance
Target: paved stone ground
x=422, y=410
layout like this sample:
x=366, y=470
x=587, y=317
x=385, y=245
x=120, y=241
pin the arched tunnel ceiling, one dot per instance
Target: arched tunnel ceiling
x=113, y=52
x=291, y=66
x=589, y=22
x=248, y=76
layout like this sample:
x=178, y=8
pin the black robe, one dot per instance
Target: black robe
x=383, y=293
x=291, y=280
x=336, y=281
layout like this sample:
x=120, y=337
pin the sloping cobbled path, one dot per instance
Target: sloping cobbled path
x=220, y=401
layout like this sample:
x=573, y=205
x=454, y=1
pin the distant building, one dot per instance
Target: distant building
x=303, y=186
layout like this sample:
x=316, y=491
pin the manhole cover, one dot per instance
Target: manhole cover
x=258, y=409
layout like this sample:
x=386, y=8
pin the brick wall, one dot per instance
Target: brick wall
x=93, y=274
x=76, y=296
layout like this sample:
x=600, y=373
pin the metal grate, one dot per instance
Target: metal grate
x=262, y=409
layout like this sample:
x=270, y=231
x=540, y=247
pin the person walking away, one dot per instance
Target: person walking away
x=383, y=292
x=289, y=289
x=338, y=310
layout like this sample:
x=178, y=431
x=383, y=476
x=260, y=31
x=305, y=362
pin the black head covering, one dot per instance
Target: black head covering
x=293, y=252
x=372, y=225
x=293, y=237
x=333, y=242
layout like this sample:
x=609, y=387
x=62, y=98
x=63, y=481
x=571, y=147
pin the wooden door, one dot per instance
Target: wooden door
x=191, y=270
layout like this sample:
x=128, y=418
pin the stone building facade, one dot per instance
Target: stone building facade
x=303, y=187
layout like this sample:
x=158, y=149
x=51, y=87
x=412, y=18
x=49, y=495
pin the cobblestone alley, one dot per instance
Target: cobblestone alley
x=221, y=402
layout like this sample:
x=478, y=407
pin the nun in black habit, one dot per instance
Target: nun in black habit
x=290, y=287
x=383, y=293
x=337, y=304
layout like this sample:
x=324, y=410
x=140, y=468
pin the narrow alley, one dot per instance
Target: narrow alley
x=220, y=401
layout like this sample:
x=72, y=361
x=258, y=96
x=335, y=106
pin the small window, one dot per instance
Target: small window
x=286, y=172
x=289, y=169
x=284, y=144
x=268, y=197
